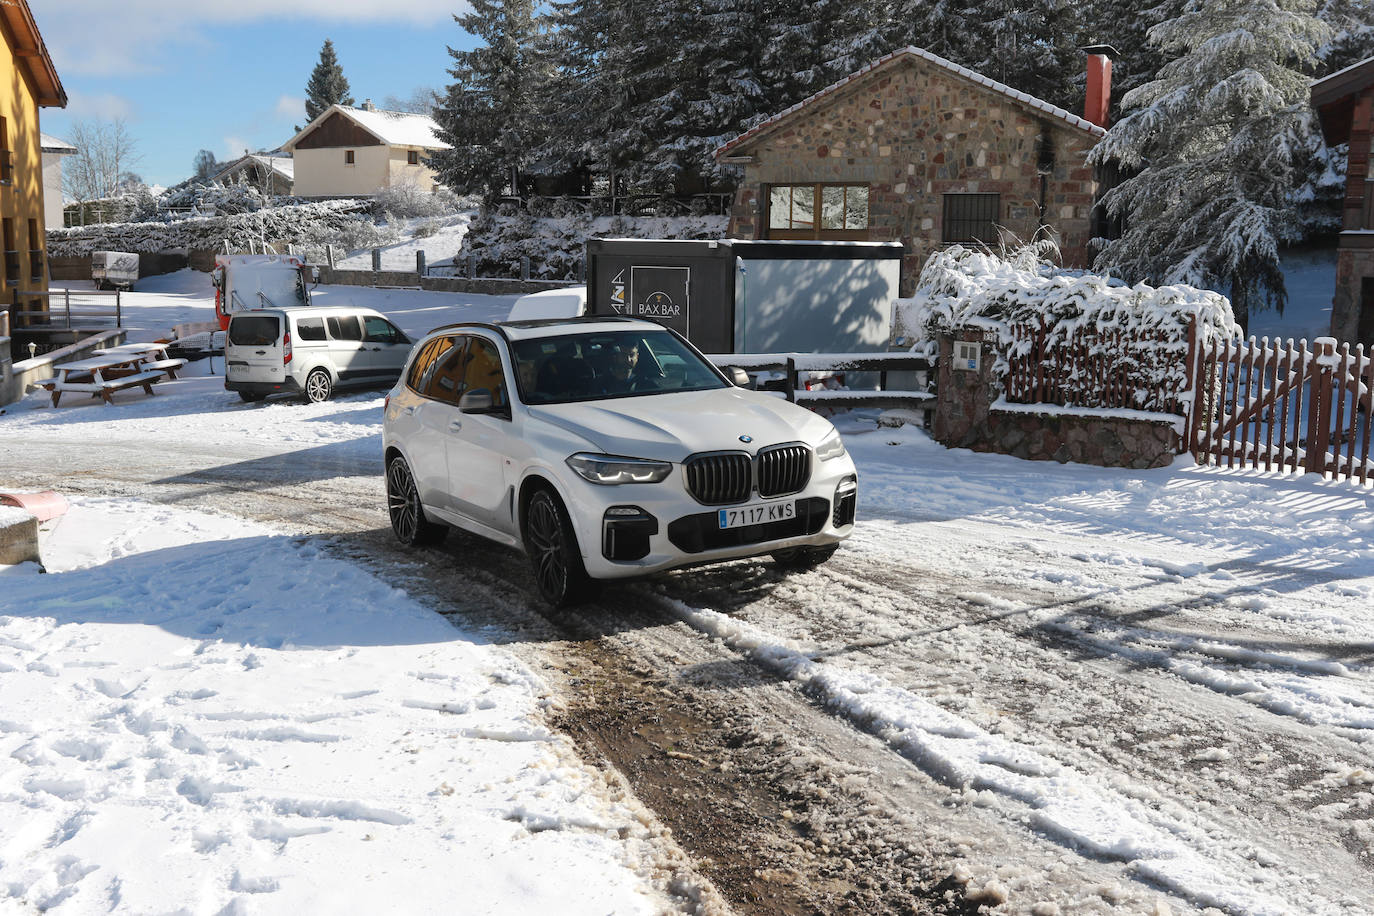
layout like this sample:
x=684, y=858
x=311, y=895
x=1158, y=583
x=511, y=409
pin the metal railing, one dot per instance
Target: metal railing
x=69, y=314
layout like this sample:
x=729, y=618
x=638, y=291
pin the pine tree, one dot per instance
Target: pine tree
x=490, y=113
x=327, y=84
x=1216, y=144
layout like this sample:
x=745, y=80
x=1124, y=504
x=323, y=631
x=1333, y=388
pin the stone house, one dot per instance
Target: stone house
x=1345, y=104
x=348, y=152
x=916, y=149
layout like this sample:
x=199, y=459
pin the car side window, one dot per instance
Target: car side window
x=345, y=327
x=484, y=371
x=444, y=381
x=426, y=362
x=310, y=329
x=379, y=330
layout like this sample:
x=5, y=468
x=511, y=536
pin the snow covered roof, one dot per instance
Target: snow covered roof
x=394, y=128
x=911, y=54
x=1334, y=99
x=279, y=162
x=49, y=144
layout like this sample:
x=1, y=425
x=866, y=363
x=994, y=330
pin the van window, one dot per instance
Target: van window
x=379, y=330
x=445, y=381
x=254, y=330
x=347, y=327
x=310, y=329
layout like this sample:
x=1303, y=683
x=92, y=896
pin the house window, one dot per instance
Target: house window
x=412, y=157
x=348, y=157
x=35, y=253
x=818, y=211
x=971, y=218
x=11, y=254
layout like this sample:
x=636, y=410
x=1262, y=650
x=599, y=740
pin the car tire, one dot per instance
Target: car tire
x=559, y=576
x=318, y=386
x=798, y=559
x=408, y=521
x=249, y=397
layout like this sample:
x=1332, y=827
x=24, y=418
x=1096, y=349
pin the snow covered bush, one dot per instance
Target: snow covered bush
x=500, y=239
x=291, y=225
x=1025, y=302
x=408, y=201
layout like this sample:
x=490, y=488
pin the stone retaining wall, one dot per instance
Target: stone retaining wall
x=967, y=416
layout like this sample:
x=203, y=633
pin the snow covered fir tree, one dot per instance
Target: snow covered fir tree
x=1214, y=148
x=327, y=85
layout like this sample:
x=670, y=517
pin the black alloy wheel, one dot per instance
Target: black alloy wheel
x=408, y=520
x=559, y=575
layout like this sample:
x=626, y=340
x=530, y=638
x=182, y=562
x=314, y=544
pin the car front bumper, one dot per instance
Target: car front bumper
x=638, y=529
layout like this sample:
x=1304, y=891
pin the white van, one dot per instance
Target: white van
x=310, y=351
x=568, y=302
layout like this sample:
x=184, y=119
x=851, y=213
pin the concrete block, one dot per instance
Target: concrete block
x=18, y=538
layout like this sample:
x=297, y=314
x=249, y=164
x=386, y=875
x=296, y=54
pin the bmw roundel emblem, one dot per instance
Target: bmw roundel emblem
x=746, y=439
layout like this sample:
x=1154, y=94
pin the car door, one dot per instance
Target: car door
x=346, y=348
x=478, y=444
x=436, y=377
x=384, y=350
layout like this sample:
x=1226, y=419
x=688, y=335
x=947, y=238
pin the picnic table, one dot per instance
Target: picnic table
x=149, y=356
x=100, y=376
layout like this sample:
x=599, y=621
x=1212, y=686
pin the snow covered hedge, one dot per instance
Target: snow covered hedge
x=295, y=224
x=1011, y=296
x=554, y=245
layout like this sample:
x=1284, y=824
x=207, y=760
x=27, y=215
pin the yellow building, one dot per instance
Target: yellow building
x=30, y=82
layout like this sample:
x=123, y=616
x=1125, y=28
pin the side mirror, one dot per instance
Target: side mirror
x=478, y=400
x=738, y=376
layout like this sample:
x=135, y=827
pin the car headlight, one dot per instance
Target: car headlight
x=831, y=447
x=611, y=469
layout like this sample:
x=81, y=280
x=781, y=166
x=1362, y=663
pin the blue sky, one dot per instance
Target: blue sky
x=188, y=75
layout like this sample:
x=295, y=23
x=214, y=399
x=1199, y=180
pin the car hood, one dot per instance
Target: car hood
x=669, y=427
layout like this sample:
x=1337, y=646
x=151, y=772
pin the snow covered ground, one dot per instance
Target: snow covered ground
x=203, y=712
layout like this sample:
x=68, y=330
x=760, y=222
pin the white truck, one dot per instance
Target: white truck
x=258, y=281
x=114, y=269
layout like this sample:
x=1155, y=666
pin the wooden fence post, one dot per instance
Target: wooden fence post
x=1192, y=373
x=1319, y=411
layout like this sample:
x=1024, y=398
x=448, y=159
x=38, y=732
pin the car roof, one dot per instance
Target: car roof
x=299, y=310
x=557, y=327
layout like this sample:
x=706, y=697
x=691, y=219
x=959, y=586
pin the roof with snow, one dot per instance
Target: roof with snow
x=279, y=162
x=1334, y=98
x=50, y=144
x=394, y=128
x=911, y=54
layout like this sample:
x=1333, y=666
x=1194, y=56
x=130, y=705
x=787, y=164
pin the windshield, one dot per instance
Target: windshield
x=616, y=364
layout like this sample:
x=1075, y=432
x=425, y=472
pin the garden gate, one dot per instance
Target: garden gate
x=1275, y=405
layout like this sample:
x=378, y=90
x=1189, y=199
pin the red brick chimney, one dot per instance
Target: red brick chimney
x=1098, y=99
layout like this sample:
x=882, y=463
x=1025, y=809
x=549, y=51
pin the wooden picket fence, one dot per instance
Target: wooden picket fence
x=1109, y=370
x=1264, y=404
x=1276, y=405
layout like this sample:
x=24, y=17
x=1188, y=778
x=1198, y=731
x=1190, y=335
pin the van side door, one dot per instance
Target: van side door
x=346, y=348
x=385, y=348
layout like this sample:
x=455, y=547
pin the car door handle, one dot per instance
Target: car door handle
x=374, y=349
x=260, y=352
x=455, y=425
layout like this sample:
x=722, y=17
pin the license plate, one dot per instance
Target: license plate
x=235, y=371
x=745, y=516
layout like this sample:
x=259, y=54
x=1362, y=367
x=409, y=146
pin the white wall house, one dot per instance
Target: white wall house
x=53, y=150
x=358, y=151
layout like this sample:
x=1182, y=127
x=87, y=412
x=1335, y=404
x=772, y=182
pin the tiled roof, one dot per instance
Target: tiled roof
x=992, y=85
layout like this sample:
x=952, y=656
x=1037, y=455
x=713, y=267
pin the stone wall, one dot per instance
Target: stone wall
x=967, y=416
x=491, y=286
x=913, y=132
x=150, y=264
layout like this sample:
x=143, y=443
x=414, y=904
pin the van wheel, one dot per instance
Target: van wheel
x=250, y=398
x=799, y=559
x=318, y=386
x=559, y=575
x=408, y=520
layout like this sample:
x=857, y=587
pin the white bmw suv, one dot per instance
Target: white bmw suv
x=606, y=448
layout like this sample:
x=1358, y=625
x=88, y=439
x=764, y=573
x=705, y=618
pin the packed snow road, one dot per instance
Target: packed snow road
x=1044, y=689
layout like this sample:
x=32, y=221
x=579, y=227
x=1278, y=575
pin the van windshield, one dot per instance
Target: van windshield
x=254, y=330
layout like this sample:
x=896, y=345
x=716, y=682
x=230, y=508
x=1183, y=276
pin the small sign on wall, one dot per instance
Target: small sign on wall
x=966, y=353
